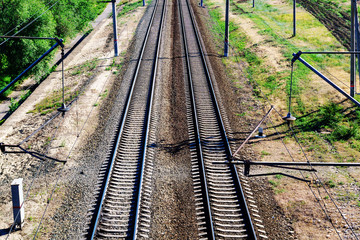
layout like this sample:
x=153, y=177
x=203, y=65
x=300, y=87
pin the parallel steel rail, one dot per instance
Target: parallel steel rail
x=220, y=214
x=139, y=102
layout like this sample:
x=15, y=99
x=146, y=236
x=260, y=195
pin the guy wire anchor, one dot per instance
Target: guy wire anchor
x=290, y=118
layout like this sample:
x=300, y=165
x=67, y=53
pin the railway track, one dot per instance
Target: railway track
x=222, y=210
x=122, y=208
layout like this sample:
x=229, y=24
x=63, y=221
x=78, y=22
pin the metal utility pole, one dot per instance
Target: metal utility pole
x=59, y=42
x=115, y=28
x=226, y=41
x=353, y=57
x=113, y=2
x=357, y=37
x=294, y=18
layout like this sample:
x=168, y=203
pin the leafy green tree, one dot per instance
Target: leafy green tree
x=65, y=19
x=16, y=55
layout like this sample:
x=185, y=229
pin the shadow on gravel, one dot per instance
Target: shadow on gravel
x=171, y=148
x=5, y=231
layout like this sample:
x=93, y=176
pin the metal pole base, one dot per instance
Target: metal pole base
x=289, y=118
x=258, y=136
x=63, y=108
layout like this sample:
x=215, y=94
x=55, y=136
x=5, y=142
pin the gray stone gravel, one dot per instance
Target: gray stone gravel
x=80, y=181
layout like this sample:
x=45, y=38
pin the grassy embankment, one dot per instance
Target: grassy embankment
x=326, y=125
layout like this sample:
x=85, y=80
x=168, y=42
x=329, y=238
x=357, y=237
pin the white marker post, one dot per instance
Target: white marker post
x=18, y=199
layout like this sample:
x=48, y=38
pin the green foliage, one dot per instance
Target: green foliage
x=13, y=105
x=264, y=153
x=345, y=132
x=278, y=176
x=274, y=183
x=329, y=115
x=129, y=6
x=331, y=184
x=65, y=19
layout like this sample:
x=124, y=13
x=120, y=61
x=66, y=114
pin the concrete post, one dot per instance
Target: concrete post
x=18, y=199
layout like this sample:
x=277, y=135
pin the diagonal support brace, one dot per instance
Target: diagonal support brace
x=255, y=129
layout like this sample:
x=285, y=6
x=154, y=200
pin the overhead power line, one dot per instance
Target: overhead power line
x=26, y=20
x=27, y=25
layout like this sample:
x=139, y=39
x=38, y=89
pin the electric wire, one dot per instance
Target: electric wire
x=238, y=60
x=313, y=63
x=293, y=159
x=283, y=38
x=33, y=180
x=331, y=198
x=41, y=127
x=72, y=148
x=27, y=25
x=25, y=20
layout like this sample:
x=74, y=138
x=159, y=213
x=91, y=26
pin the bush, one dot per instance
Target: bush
x=65, y=19
x=343, y=132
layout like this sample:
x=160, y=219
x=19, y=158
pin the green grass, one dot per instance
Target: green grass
x=53, y=101
x=278, y=176
x=271, y=23
x=104, y=94
x=14, y=104
x=264, y=153
x=313, y=116
x=87, y=67
x=129, y=7
x=331, y=184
